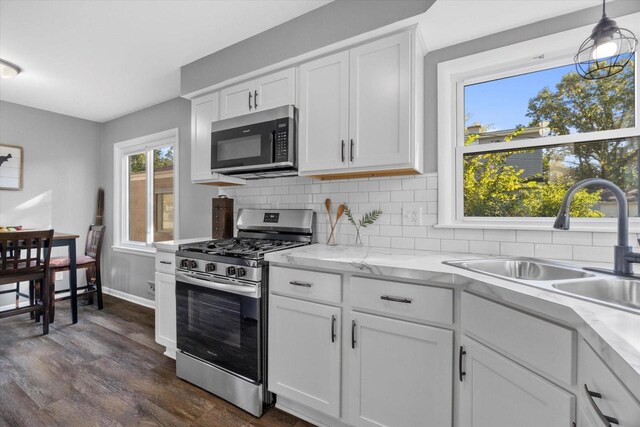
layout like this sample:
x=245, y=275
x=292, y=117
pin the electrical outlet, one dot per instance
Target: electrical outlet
x=152, y=287
x=59, y=275
x=412, y=213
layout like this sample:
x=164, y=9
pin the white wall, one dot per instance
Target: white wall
x=61, y=160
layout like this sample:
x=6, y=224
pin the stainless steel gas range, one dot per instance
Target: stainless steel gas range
x=221, y=296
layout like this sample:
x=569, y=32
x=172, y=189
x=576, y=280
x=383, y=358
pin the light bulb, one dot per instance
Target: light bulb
x=8, y=70
x=604, y=50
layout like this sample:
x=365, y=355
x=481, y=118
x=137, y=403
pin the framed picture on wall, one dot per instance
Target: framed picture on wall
x=11, y=167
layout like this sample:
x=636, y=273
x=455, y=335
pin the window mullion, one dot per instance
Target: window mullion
x=150, y=198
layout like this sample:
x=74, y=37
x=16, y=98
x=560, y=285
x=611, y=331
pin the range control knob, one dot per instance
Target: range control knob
x=210, y=267
x=185, y=263
x=192, y=264
x=231, y=271
x=240, y=272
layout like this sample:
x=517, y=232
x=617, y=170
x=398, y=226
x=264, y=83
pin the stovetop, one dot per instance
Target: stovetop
x=242, y=247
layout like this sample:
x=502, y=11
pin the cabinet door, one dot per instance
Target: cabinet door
x=324, y=114
x=237, y=100
x=380, y=102
x=204, y=110
x=304, y=353
x=401, y=373
x=275, y=90
x=496, y=392
x=166, y=312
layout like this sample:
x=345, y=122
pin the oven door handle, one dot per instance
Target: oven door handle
x=251, y=291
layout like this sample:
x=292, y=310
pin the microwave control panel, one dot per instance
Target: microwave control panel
x=281, y=144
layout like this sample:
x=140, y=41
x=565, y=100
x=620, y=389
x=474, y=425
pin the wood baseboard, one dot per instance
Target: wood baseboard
x=128, y=297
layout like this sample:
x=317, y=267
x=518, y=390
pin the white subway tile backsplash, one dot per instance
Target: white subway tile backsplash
x=530, y=236
x=543, y=250
x=391, y=194
x=454, y=246
x=500, y=235
x=572, y=237
x=517, y=249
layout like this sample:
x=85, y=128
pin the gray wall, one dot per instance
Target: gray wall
x=130, y=273
x=494, y=41
x=323, y=26
x=61, y=157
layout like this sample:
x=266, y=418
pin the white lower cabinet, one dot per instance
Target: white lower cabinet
x=304, y=353
x=496, y=392
x=400, y=373
x=166, y=312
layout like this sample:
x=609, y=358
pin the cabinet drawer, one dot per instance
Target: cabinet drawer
x=402, y=300
x=541, y=344
x=615, y=401
x=306, y=284
x=165, y=262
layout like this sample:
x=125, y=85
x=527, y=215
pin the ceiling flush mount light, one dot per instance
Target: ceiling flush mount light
x=8, y=70
x=607, y=51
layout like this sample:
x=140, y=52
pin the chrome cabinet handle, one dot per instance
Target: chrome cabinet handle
x=343, y=151
x=165, y=262
x=353, y=334
x=396, y=299
x=333, y=328
x=351, y=151
x=250, y=101
x=255, y=99
x=303, y=284
x=461, y=373
x=606, y=420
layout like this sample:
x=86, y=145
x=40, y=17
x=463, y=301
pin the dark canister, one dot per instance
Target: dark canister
x=221, y=218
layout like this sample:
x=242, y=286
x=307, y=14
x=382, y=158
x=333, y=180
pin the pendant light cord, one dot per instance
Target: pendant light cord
x=603, y=10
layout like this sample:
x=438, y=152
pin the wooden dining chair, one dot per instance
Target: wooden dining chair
x=25, y=257
x=90, y=261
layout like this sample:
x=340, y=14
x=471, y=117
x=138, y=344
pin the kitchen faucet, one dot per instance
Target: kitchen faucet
x=623, y=255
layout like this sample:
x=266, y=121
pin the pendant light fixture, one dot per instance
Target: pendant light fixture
x=607, y=51
x=8, y=70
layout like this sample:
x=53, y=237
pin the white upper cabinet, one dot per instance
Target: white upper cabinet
x=272, y=90
x=324, y=119
x=380, y=102
x=204, y=111
x=371, y=98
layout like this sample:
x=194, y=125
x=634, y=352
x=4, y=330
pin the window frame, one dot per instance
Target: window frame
x=526, y=57
x=121, y=152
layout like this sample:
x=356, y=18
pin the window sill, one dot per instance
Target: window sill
x=610, y=227
x=147, y=252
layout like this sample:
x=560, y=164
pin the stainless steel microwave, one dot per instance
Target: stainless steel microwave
x=257, y=145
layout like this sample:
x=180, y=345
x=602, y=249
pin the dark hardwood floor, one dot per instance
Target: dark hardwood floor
x=106, y=370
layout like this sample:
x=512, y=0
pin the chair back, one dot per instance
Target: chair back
x=24, y=255
x=95, y=236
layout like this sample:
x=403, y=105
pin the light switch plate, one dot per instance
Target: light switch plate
x=412, y=213
x=59, y=275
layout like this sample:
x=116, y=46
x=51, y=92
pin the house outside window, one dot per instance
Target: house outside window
x=145, y=175
x=514, y=136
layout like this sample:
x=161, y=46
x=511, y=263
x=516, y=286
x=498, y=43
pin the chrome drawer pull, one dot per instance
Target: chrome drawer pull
x=607, y=420
x=303, y=284
x=165, y=262
x=396, y=299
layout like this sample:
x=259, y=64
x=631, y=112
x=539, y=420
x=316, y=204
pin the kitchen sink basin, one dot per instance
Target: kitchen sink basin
x=622, y=292
x=522, y=269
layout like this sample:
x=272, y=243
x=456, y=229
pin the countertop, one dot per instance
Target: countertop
x=172, y=245
x=613, y=333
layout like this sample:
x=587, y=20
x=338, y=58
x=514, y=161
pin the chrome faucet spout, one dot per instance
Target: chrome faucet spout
x=623, y=255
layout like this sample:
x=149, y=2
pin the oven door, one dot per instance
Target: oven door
x=242, y=148
x=219, y=327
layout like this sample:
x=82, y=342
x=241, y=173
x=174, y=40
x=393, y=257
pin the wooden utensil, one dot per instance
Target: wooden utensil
x=327, y=205
x=338, y=215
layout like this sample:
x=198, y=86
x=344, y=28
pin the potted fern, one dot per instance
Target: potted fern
x=367, y=219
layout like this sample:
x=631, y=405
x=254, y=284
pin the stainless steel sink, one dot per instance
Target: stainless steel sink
x=522, y=269
x=615, y=291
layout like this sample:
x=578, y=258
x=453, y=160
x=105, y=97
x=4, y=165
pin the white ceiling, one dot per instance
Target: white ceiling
x=101, y=59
